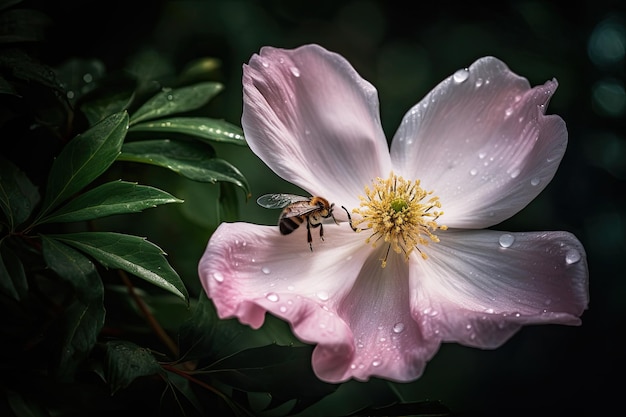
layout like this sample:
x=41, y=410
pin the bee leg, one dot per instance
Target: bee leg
x=321, y=231
x=349, y=219
x=308, y=234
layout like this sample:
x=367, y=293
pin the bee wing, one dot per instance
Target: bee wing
x=299, y=208
x=274, y=201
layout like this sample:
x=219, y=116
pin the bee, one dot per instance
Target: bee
x=296, y=210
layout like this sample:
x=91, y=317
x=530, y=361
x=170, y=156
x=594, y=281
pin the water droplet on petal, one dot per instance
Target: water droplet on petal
x=515, y=173
x=322, y=295
x=461, y=75
x=479, y=82
x=283, y=309
x=535, y=181
x=170, y=97
x=295, y=71
x=272, y=296
x=398, y=327
x=265, y=64
x=376, y=362
x=266, y=270
x=473, y=171
x=506, y=240
x=572, y=256
x=218, y=276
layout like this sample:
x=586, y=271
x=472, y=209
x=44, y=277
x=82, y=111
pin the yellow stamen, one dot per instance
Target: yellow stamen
x=400, y=213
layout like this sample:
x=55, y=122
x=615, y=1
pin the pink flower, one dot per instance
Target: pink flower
x=421, y=268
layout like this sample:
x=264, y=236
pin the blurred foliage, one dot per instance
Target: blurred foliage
x=119, y=117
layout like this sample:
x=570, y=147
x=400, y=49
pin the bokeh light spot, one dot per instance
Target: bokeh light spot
x=609, y=97
x=607, y=43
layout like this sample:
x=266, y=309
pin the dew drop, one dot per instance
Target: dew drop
x=376, y=362
x=398, y=327
x=322, y=295
x=265, y=64
x=535, y=181
x=283, y=309
x=295, y=71
x=430, y=312
x=291, y=288
x=87, y=78
x=169, y=97
x=508, y=112
x=479, y=82
x=506, y=240
x=218, y=276
x=266, y=270
x=482, y=154
x=461, y=75
x=572, y=256
x=473, y=171
x=515, y=173
x=272, y=296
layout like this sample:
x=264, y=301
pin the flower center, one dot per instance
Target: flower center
x=399, y=213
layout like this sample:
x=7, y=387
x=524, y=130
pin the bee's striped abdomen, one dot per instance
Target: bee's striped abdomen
x=289, y=224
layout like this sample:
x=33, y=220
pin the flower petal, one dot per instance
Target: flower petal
x=388, y=342
x=481, y=141
x=314, y=121
x=248, y=270
x=336, y=296
x=479, y=287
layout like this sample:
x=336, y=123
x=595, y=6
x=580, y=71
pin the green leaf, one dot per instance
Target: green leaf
x=178, y=100
x=125, y=361
x=23, y=25
x=284, y=372
x=204, y=335
x=182, y=385
x=84, y=317
x=84, y=158
x=117, y=197
x=111, y=95
x=13, y=280
x=228, y=204
x=18, y=195
x=132, y=254
x=202, y=128
x=23, y=406
x=189, y=159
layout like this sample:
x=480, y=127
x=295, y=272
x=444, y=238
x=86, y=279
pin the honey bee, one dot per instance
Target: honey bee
x=298, y=209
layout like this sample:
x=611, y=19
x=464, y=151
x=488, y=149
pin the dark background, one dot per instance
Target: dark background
x=405, y=52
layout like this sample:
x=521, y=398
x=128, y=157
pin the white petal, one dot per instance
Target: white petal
x=479, y=287
x=481, y=141
x=314, y=121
